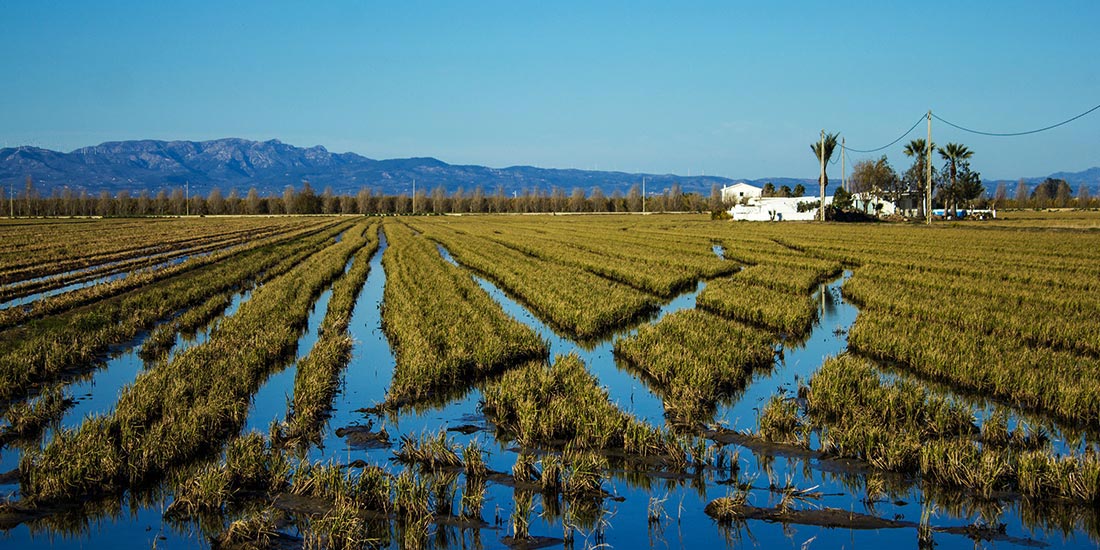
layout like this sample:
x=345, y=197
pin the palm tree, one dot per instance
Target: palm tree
x=830, y=145
x=953, y=153
x=919, y=149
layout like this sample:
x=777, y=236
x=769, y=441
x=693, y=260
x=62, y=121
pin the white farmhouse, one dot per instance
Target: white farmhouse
x=735, y=193
x=777, y=209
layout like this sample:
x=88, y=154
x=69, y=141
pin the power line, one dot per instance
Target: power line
x=1010, y=134
x=901, y=137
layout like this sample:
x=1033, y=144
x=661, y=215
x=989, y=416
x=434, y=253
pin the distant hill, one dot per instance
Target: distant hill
x=233, y=163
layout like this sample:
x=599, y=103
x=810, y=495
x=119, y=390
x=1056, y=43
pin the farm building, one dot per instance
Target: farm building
x=738, y=191
x=907, y=205
x=763, y=209
x=869, y=204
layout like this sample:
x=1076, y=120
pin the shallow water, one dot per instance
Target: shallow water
x=31, y=298
x=683, y=523
x=624, y=389
x=96, y=392
x=270, y=402
x=367, y=378
x=799, y=360
x=174, y=261
x=202, y=335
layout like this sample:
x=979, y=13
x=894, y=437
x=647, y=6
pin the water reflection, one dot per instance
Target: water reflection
x=797, y=360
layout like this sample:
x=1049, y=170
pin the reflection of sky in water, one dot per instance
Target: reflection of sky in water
x=800, y=360
x=270, y=402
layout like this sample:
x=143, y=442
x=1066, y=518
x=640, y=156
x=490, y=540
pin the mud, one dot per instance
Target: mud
x=364, y=437
x=531, y=543
x=9, y=478
x=845, y=519
x=824, y=517
x=820, y=460
x=467, y=429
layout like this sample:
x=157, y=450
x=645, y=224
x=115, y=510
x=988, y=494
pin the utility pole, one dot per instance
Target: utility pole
x=928, y=170
x=187, y=197
x=821, y=180
x=414, y=196
x=843, y=172
x=643, y=194
x=11, y=199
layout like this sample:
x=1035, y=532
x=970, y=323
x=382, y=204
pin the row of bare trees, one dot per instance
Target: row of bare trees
x=177, y=201
x=1051, y=193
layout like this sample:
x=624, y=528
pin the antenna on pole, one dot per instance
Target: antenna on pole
x=928, y=170
x=821, y=156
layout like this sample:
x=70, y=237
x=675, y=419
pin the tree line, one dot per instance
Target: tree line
x=305, y=200
x=955, y=184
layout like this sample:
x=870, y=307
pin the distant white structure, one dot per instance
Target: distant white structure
x=778, y=209
x=872, y=205
x=738, y=191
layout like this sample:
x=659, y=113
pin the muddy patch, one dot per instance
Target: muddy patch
x=531, y=543
x=757, y=445
x=364, y=437
x=725, y=510
x=9, y=478
x=467, y=429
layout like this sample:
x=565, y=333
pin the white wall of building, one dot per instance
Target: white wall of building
x=776, y=209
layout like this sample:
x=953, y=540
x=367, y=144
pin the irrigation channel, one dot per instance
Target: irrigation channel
x=622, y=521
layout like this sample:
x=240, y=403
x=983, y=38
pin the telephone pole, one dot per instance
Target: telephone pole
x=414, y=195
x=821, y=180
x=843, y=172
x=187, y=197
x=643, y=194
x=928, y=170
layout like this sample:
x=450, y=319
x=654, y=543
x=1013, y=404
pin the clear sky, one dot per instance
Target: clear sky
x=728, y=88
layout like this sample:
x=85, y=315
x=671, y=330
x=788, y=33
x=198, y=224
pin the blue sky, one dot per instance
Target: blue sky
x=737, y=89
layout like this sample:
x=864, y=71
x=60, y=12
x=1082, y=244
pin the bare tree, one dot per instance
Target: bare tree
x=1021, y=193
x=215, y=203
x=576, y=200
x=477, y=201
x=598, y=200
x=634, y=198
x=363, y=202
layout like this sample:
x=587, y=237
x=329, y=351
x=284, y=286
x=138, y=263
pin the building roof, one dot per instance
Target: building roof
x=742, y=184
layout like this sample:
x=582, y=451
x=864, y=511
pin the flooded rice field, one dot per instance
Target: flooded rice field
x=639, y=510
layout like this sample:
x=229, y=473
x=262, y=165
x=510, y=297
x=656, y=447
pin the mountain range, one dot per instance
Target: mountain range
x=269, y=166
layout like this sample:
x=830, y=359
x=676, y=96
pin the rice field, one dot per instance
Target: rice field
x=529, y=381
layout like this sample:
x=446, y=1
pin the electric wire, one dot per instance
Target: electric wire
x=1010, y=134
x=971, y=130
x=901, y=137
